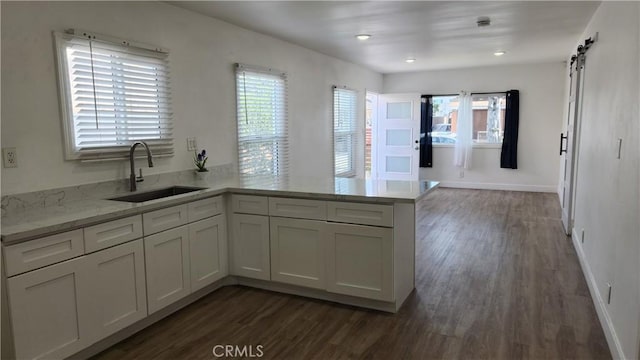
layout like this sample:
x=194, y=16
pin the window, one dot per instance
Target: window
x=344, y=131
x=488, y=118
x=262, y=121
x=112, y=95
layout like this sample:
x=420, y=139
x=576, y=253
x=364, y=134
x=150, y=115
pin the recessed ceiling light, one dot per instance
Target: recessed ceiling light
x=499, y=53
x=410, y=60
x=363, y=36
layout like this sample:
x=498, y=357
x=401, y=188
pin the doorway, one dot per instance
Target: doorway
x=395, y=136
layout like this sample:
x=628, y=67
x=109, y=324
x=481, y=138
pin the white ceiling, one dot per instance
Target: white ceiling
x=440, y=35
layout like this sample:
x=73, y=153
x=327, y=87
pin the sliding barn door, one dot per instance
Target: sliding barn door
x=568, y=144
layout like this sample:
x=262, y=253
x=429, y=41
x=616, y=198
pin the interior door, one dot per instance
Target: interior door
x=568, y=149
x=398, y=137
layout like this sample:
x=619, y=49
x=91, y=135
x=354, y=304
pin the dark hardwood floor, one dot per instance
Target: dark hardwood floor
x=496, y=278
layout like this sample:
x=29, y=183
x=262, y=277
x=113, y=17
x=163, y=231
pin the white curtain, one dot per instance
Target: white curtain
x=464, y=138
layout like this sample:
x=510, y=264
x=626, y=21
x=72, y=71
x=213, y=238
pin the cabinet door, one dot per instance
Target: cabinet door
x=118, y=289
x=49, y=310
x=208, y=251
x=167, y=267
x=250, y=246
x=297, y=252
x=360, y=261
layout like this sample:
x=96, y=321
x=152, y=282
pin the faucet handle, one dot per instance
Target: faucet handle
x=140, y=178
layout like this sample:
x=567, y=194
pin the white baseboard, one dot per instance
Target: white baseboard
x=601, y=309
x=496, y=186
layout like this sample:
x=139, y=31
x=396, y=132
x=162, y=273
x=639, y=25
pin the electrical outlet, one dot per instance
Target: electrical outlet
x=191, y=144
x=9, y=157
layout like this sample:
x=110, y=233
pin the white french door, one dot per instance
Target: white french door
x=569, y=151
x=397, y=139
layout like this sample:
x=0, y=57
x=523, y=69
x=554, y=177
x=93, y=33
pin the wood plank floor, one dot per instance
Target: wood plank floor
x=495, y=279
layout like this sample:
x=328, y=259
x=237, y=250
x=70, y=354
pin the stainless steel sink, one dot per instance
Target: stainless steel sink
x=157, y=194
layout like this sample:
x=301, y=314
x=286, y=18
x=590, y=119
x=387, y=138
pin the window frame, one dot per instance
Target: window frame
x=280, y=139
x=352, y=133
x=65, y=90
x=474, y=144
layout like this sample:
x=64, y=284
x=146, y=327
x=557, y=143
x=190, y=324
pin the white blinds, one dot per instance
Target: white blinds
x=344, y=131
x=113, y=95
x=263, y=147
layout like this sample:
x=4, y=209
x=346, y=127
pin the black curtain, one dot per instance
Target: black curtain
x=509, y=155
x=426, y=123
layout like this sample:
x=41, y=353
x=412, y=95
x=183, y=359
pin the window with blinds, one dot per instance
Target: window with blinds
x=344, y=131
x=262, y=122
x=112, y=94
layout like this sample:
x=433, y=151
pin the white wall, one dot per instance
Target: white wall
x=608, y=196
x=541, y=89
x=202, y=53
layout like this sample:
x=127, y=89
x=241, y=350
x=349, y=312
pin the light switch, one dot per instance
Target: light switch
x=191, y=144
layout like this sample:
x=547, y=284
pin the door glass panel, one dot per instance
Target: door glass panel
x=399, y=164
x=399, y=111
x=399, y=137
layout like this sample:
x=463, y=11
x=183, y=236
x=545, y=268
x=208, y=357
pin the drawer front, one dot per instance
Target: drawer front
x=298, y=208
x=357, y=213
x=250, y=204
x=163, y=219
x=115, y=232
x=201, y=209
x=42, y=252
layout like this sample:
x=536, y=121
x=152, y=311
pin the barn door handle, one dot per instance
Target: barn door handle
x=562, y=138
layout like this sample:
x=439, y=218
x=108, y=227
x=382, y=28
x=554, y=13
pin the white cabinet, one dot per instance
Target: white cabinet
x=360, y=261
x=342, y=247
x=49, y=250
x=117, y=288
x=50, y=310
x=202, y=209
x=163, y=219
x=298, y=208
x=185, y=259
x=207, y=251
x=250, y=246
x=167, y=267
x=359, y=213
x=250, y=204
x=297, y=252
x=112, y=233
x=68, y=291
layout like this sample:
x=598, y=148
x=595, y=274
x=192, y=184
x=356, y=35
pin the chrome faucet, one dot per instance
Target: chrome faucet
x=132, y=178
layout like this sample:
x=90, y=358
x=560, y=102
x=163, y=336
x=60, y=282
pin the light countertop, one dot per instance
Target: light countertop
x=18, y=226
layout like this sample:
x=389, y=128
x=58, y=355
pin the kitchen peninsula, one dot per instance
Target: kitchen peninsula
x=83, y=272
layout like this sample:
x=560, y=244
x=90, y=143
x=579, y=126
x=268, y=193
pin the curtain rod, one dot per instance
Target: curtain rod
x=488, y=93
x=473, y=93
